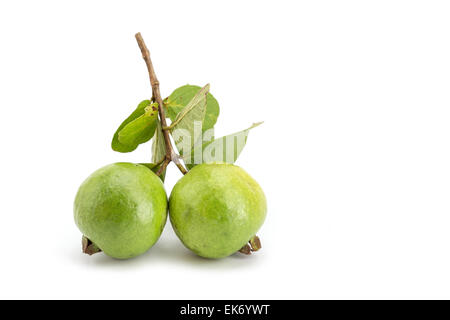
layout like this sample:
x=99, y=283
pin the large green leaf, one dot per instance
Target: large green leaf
x=184, y=127
x=225, y=149
x=182, y=96
x=116, y=144
x=141, y=129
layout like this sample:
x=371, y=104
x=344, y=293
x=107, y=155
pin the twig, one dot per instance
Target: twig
x=156, y=95
x=162, y=167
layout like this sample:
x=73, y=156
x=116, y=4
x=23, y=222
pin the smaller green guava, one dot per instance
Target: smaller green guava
x=215, y=209
x=122, y=209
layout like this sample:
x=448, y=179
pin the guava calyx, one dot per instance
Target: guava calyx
x=254, y=244
x=89, y=247
x=246, y=249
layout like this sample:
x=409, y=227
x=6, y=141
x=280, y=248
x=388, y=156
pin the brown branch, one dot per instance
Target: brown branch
x=162, y=167
x=156, y=96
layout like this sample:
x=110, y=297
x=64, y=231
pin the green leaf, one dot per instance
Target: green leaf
x=155, y=167
x=184, y=130
x=159, y=149
x=159, y=145
x=141, y=129
x=182, y=96
x=225, y=149
x=116, y=144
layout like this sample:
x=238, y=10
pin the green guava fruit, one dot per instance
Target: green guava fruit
x=215, y=209
x=122, y=209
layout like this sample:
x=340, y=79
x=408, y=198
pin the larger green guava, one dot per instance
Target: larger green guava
x=122, y=209
x=215, y=209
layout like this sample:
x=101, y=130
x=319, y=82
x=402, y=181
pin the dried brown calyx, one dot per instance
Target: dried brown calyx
x=89, y=247
x=253, y=245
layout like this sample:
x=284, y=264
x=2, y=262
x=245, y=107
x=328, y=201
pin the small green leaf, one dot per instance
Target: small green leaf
x=141, y=129
x=159, y=145
x=184, y=127
x=225, y=149
x=155, y=167
x=182, y=96
x=116, y=144
x=158, y=149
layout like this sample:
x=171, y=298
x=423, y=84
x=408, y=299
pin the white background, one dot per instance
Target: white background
x=353, y=155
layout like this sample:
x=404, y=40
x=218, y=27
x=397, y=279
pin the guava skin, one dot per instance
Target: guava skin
x=122, y=208
x=215, y=209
